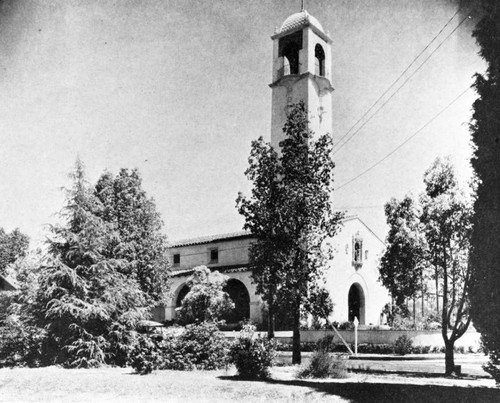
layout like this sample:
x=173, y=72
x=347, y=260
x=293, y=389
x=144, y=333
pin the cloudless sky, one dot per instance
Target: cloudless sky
x=179, y=89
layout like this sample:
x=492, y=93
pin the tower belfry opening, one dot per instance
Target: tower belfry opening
x=319, y=56
x=289, y=48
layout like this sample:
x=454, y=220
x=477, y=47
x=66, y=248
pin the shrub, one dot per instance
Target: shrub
x=252, y=356
x=204, y=346
x=421, y=349
x=206, y=299
x=324, y=365
x=200, y=346
x=375, y=348
x=403, y=345
x=326, y=343
x=20, y=344
x=345, y=326
x=147, y=354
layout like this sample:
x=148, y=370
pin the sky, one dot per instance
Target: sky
x=179, y=89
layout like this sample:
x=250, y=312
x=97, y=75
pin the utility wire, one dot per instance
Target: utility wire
x=406, y=141
x=401, y=75
x=401, y=86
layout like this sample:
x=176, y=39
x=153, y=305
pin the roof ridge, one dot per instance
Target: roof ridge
x=222, y=236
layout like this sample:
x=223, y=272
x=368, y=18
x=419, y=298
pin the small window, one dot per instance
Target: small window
x=177, y=258
x=357, y=252
x=366, y=254
x=214, y=255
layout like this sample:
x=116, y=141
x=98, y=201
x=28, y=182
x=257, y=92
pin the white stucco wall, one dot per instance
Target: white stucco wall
x=342, y=274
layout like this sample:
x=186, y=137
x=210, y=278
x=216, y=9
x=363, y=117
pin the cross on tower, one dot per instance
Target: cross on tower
x=302, y=9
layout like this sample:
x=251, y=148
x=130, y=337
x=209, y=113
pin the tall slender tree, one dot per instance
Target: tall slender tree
x=447, y=219
x=485, y=128
x=403, y=264
x=290, y=213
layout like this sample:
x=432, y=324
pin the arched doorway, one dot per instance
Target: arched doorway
x=241, y=298
x=356, y=301
x=180, y=296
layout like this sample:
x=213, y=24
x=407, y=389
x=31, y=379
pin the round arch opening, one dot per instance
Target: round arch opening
x=181, y=295
x=241, y=298
x=319, y=58
x=356, y=303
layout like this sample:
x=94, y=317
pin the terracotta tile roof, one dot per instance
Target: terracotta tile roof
x=228, y=236
x=210, y=238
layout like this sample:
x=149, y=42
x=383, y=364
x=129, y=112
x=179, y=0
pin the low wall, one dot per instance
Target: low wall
x=419, y=337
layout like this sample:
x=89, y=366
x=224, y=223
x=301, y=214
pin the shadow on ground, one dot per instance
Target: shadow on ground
x=392, y=392
x=413, y=374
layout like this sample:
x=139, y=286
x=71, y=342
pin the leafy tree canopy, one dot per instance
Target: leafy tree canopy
x=290, y=214
x=402, y=265
x=13, y=245
x=138, y=226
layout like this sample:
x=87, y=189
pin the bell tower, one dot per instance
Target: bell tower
x=301, y=72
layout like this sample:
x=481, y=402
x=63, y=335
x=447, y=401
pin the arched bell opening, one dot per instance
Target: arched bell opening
x=319, y=58
x=289, y=50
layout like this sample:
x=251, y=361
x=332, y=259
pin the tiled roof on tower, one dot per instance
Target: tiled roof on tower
x=300, y=19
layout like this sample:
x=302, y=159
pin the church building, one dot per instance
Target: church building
x=301, y=72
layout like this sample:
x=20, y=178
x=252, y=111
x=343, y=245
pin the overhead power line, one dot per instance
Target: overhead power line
x=402, y=85
x=405, y=141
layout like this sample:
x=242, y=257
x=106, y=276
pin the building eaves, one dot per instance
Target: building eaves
x=232, y=235
x=222, y=269
x=211, y=239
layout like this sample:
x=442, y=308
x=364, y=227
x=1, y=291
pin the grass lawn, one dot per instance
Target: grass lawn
x=55, y=384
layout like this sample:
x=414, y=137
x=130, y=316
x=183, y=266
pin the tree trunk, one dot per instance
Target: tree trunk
x=414, y=313
x=296, y=358
x=270, y=321
x=437, y=290
x=449, y=358
x=423, y=308
x=423, y=296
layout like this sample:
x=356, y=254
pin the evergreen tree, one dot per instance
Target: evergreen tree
x=485, y=127
x=12, y=246
x=85, y=303
x=291, y=216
